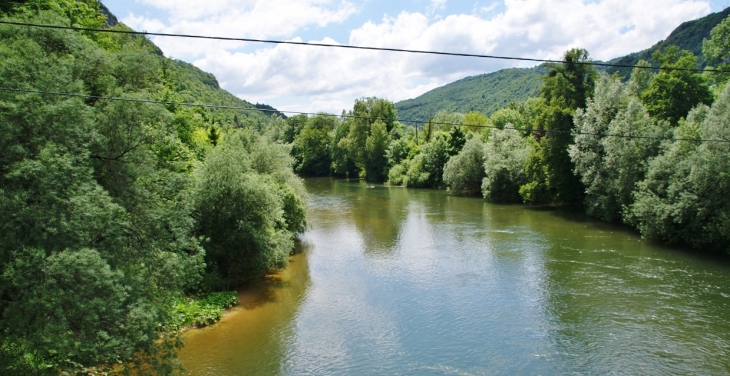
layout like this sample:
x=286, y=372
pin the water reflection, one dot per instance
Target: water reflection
x=254, y=338
x=403, y=281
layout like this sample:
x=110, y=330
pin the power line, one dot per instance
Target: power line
x=352, y=47
x=240, y=108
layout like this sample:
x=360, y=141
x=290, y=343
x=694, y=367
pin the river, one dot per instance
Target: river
x=395, y=281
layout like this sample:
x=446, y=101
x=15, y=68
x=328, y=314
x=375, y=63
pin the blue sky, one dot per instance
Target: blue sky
x=315, y=79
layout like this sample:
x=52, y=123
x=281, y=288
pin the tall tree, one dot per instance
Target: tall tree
x=566, y=88
x=376, y=145
x=674, y=90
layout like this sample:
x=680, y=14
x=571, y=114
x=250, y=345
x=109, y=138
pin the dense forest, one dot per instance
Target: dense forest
x=122, y=220
x=648, y=151
x=485, y=93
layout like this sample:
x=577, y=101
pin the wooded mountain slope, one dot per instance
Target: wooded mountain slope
x=489, y=92
x=485, y=93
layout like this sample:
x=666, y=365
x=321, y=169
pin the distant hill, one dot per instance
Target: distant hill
x=486, y=93
x=489, y=92
x=688, y=36
x=197, y=86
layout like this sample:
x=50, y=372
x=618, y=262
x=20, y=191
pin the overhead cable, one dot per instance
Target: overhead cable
x=346, y=116
x=352, y=47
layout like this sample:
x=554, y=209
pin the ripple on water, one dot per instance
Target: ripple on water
x=414, y=282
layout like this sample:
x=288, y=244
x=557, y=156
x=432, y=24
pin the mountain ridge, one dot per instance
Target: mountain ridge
x=491, y=91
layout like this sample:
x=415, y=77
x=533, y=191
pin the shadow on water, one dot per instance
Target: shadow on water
x=253, y=335
x=581, y=218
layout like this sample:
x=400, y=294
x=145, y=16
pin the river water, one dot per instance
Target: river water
x=393, y=281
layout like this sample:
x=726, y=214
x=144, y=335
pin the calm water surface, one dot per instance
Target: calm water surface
x=415, y=282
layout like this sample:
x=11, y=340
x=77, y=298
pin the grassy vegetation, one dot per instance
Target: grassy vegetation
x=204, y=311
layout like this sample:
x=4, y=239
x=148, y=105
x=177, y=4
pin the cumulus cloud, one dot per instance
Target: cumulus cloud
x=314, y=79
x=259, y=19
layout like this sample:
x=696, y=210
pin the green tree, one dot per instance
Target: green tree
x=313, y=147
x=457, y=139
x=97, y=231
x=717, y=48
x=685, y=197
x=464, y=172
x=365, y=113
x=610, y=167
x=640, y=79
x=505, y=155
x=435, y=155
x=476, y=122
x=342, y=162
x=672, y=92
x=241, y=209
x=566, y=88
x=376, y=161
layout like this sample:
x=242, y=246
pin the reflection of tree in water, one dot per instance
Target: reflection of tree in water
x=615, y=302
x=256, y=336
x=378, y=213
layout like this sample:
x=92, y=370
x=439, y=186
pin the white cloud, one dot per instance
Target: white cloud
x=315, y=79
x=258, y=19
x=143, y=23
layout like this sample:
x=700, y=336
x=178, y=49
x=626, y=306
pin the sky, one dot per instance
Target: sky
x=314, y=79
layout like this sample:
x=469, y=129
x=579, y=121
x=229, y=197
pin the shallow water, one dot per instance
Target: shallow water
x=415, y=282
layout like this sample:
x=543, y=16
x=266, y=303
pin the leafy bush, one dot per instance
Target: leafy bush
x=464, y=172
x=202, y=312
x=505, y=155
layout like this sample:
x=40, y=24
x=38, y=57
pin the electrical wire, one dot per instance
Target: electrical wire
x=353, y=47
x=346, y=116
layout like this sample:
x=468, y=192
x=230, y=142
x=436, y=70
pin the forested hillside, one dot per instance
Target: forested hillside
x=485, y=93
x=121, y=219
x=489, y=92
x=687, y=36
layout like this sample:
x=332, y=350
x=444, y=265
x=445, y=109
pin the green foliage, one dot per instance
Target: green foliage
x=342, y=162
x=398, y=150
x=426, y=170
x=610, y=167
x=202, y=312
x=457, y=139
x=717, y=48
x=98, y=197
x=476, y=122
x=687, y=36
x=244, y=189
x=672, y=93
x=550, y=172
x=376, y=161
x=352, y=153
x=464, y=172
x=484, y=93
x=685, y=197
x=313, y=146
x=97, y=232
x=640, y=79
x=504, y=116
x=505, y=156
